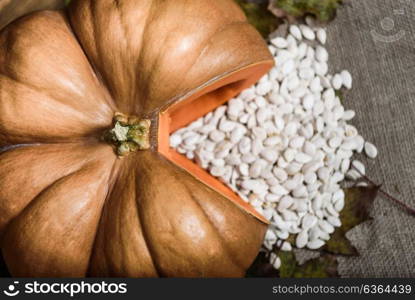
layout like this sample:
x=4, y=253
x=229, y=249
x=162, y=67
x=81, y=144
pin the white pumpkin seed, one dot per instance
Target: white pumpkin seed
x=307, y=32
x=371, y=150
x=347, y=79
x=301, y=239
x=359, y=166
x=315, y=244
x=322, y=35
x=337, y=81
x=279, y=42
x=296, y=32
x=321, y=54
x=308, y=221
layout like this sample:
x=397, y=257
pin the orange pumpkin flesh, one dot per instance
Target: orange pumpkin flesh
x=68, y=205
x=191, y=108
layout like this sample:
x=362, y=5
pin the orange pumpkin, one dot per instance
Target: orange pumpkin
x=12, y=9
x=88, y=98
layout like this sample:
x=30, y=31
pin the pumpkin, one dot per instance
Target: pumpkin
x=12, y=9
x=88, y=98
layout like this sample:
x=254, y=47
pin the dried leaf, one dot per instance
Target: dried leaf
x=358, y=202
x=259, y=16
x=323, y=10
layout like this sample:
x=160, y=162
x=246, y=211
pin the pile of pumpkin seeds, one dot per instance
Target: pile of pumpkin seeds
x=285, y=145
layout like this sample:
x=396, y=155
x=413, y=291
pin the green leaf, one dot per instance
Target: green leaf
x=260, y=17
x=324, y=266
x=323, y=10
x=288, y=264
x=358, y=202
x=340, y=95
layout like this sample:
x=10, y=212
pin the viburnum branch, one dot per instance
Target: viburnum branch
x=405, y=206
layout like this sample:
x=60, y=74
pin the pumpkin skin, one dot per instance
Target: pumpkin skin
x=11, y=9
x=68, y=206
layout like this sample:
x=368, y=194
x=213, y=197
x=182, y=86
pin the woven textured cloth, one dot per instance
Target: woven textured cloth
x=375, y=40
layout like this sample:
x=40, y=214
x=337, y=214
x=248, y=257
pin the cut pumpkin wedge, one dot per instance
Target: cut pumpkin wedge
x=191, y=107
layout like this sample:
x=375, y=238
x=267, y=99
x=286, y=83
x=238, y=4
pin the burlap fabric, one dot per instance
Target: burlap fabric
x=375, y=40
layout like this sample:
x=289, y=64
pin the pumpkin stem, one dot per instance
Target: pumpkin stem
x=129, y=134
